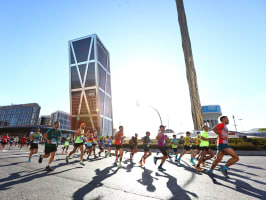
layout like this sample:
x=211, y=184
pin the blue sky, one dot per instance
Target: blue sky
x=147, y=61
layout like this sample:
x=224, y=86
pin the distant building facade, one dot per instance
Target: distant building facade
x=90, y=85
x=211, y=113
x=45, y=120
x=19, y=115
x=63, y=118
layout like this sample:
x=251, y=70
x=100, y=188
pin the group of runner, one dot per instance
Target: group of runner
x=86, y=143
x=11, y=142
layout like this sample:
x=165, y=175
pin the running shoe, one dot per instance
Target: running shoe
x=224, y=172
x=199, y=169
x=29, y=160
x=155, y=160
x=160, y=168
x=179, y=160
x=66, y=159
x=81, y=163
x=192, y=162
x=143, y=160
x=119, y=165
x=176, y=160
x=140, y=163
x=40, y=159
x=203, y=164
x=48, y=168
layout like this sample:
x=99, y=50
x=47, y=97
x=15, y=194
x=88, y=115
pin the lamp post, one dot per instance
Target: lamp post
x=138, y=104
x=234, y=122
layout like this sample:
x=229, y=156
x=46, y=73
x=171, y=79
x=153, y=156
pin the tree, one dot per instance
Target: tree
x=190, y=69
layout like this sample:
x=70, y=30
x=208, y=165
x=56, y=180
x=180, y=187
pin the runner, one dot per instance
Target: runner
x=161, y=146
x=50, y=148
x=101, y=145
x=78, y=144
x=23, y=142
x=146, y=147
x=223, y=148
x=11, y=141
x=89, y=144
x=94, y=142
x=35, y=139
x=196, y=147
x=109, y=145
x=187, y=148
x=175, y=146
x=119, y=139
x=133, y=144
x=66, y=145
x=5, y=140
x=167, y=143
x=205, y=148
x=16, y=139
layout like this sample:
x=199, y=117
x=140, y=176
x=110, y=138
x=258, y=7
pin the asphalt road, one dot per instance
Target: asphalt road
x=102, y=179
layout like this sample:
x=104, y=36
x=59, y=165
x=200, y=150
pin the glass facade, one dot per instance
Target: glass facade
x=19, y=115
x=63, y=118
x=90, y=85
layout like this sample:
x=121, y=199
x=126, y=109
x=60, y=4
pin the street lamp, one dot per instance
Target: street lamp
x=138, y=104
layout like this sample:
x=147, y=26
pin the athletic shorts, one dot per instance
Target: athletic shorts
x=204, y=148
x=196, y=147
x=109, y=146
x=187, y=148
x=78, y=144
x=4, y=143
x=221, y=147
x=146, y=149
x=118, y=146
x=132, y=147
x=34, y=146
x=93, y=144
x=163, y=150
x=175, y=150
x=50, y=148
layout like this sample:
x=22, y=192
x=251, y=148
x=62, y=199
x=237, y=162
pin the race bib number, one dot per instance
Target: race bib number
x=53, y=141
x=36, y=141
x=81, y=138
x=148, y=145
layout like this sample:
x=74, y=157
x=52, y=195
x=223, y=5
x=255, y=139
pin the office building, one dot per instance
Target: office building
x=19, y=115
x=90, y=85
x=63, y=118
x=210, y=114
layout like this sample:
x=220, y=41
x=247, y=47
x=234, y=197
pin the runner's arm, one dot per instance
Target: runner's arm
x=215, y=130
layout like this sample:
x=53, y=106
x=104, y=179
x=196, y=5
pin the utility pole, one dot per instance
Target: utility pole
x=190, y=69
x=234, y=122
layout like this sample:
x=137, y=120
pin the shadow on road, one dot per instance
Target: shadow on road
x=249, y=166
x=147, y=179
x=243, y=187
x=96, y=181
x=16, y=178
x=176, y=190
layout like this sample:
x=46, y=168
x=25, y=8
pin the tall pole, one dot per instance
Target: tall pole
x=157, y=113
x=234, y=122
x=190, y=69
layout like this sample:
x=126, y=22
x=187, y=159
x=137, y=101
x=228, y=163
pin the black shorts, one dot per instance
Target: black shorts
x=175, y=150
x=197, y=147
x=34, y=146
x=78, y=144
x=204, y=148
x=163, y=150
x=93, y=144
x=4, y=143
x=118, y=146
x=49, y=148
x=146, y=149
x=187, y=148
